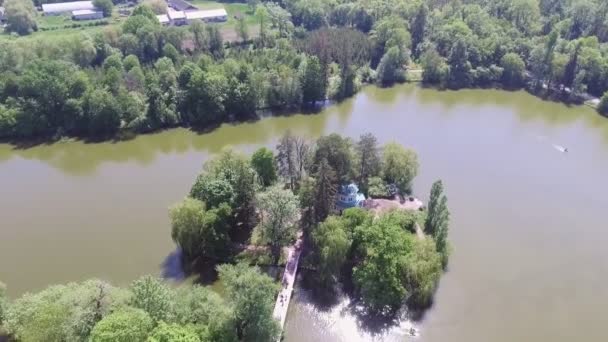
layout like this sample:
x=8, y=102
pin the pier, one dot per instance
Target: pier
x=287, y=283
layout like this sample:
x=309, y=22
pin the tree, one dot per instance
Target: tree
x=325, y=191
x=152, y=296
x=261, y=13
x=263, y=162
x=418, y=28
x=106, y=6
x=524, y=14
x=460, y=67
x=279, y=213
x=286, y=159
x=127, y=325
x=603, y=106
x=435, y=70
x=313, y=81
x=331, y=246
x=20, y=16
x=102, y=112
x=379, y=278
x=422, y=269
x=400, y=166
x=390, y=69
x=368, y=159
x=242, y=29
x=437, y=220
x=62, y=312
x=252, y=5
x=198, y=231
x=173, y=333
x=233, y=178
x=203, y=308
x=513, y=70
x=171, y=52
x=157, y=6
x=251, y=296
x=337, y=151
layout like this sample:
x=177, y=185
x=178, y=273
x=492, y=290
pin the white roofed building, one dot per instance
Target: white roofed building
x=67, y=7
x=87, y=15
x=163, y=19
x=207, y=15
x=176, y=17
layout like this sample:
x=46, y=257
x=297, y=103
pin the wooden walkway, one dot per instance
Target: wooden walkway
x=287, y=283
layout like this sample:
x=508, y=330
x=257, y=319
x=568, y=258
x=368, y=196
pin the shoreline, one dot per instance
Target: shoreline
x=127, y=135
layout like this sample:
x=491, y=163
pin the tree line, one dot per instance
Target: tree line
x=149, y=310
x=141, y=77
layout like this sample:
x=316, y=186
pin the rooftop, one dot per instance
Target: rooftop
x=181, y=5
x=173, y=15
x=85, y=12
x=214, y=13
x=163, y=18
x=68, y=6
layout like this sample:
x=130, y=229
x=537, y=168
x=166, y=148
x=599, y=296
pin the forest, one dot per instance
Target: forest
x=139, y=76
x=235, y=224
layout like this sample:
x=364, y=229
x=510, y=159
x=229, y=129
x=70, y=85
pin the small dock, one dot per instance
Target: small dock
x=287, y=283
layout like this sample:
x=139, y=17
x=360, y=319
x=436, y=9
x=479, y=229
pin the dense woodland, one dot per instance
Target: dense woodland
x=240, y=214
x=139, y=76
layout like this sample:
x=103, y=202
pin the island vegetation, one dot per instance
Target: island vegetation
x=138, y=76
x=239, y=218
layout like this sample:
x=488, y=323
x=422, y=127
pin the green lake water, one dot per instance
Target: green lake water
x=528, y=227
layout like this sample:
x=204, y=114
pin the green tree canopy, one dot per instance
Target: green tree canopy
x=106, y=6
x=20, y=16
x=251, y=296
x=199, y=231
x=279, y=213
x=514, y=68
x=127, y=325
x=331, y=247
x=173, y=333
x=337, y=151
x=263, y=162
x=400, y=165
x=153, y=296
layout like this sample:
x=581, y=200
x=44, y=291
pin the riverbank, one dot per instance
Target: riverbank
x=127, y=135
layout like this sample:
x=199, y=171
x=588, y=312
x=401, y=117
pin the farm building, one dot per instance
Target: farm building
x=177, y=18
x=87, y=15
x=208, y=16
x=181, y=5
x=67, y=7
x=163, y=19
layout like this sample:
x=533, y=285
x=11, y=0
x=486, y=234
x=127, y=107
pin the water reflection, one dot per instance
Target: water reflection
x=80, y=158
x=336, y=317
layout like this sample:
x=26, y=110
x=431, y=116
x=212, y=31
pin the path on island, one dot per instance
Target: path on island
x=287, y=283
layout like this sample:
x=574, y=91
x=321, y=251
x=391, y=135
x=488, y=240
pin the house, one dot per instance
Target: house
x=181, y=5
x=67, y=7
x=215, y=15
x=349, y=197
x=176, y=18
x=163, y=19
x=87, y=15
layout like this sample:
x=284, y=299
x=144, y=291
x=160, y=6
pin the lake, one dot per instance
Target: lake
x=527, y=224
